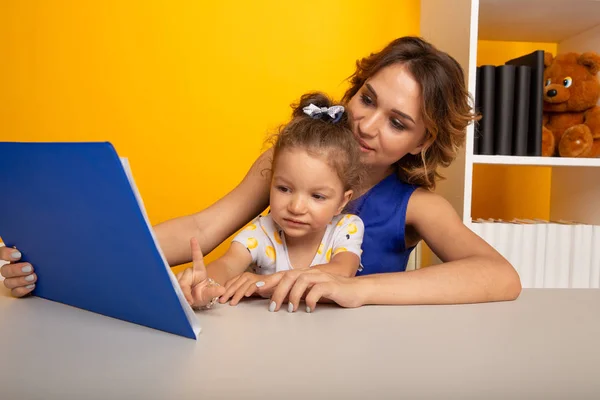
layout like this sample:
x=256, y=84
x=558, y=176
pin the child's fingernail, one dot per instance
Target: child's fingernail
x=307, y=309
x=260, y=284
x=29, y=278
x=290, y=307
x=272, y=306
x=30, y=286
x=26, y=269
x=16, y=255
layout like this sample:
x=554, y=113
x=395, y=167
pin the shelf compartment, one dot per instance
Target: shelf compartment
x=537, y=161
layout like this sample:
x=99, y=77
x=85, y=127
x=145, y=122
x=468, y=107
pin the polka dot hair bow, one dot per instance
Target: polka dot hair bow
x=334, y=112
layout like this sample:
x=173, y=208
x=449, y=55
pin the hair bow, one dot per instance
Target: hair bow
x=334, y=112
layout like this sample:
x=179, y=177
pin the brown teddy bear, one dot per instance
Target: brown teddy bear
x=571, y=116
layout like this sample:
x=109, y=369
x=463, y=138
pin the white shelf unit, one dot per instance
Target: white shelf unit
x=456, y=26
x=539, y=161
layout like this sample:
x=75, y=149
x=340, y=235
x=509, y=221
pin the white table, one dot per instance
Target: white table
x=545, y=345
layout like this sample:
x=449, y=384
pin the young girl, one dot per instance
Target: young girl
x=316, y=166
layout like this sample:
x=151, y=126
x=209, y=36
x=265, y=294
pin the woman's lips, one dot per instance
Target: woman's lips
x=364, y=146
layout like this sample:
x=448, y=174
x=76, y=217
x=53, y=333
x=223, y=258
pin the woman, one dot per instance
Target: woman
x=409, y=110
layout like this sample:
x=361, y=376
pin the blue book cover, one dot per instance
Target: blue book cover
x=74, y=212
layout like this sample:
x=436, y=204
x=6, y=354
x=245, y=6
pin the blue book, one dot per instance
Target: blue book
x=73, y=211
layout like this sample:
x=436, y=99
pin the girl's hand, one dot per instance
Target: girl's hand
x=20, y=278
x=247, y=284
x=197, y=287
x=315, y=285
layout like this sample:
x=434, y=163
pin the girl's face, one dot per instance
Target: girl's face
x=386, y=116
x=306, y=193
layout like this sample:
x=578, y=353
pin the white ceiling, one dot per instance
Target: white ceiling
x=536, y=20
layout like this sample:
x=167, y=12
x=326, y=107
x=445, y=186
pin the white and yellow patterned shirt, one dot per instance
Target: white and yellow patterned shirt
x=266, y=242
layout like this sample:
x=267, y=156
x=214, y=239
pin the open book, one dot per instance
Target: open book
x=191, y=316
x=75, y=213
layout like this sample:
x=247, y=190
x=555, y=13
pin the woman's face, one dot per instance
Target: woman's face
x=386, y=116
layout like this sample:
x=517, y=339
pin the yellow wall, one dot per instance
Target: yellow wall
x=497, y=52
x=517, y=191
x=186, y=90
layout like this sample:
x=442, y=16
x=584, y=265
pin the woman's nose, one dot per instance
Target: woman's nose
x=367, y=126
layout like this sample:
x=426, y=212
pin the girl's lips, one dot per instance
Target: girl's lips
x=293, y=221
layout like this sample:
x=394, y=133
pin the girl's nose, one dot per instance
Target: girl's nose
x=297, y=205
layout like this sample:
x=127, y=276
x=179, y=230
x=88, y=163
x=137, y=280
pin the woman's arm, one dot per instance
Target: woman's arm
x=472, y=270
x=219, y=221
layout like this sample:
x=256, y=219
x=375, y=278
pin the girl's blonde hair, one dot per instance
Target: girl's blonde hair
x=332, y=141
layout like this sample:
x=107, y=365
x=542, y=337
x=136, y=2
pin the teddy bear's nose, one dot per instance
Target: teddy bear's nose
x=551, y=93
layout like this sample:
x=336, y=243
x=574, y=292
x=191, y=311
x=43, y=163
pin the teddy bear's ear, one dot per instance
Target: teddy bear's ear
x=548, y=58
x=591, y=61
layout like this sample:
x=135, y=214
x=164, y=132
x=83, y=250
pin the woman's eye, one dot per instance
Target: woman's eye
x=568, y=81
x=548, y=82
x=366, y=100
x=396, y=124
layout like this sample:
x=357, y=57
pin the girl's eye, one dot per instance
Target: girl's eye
x=366, y=100
x=318, y=197
x=283, y=189
x=396, y=124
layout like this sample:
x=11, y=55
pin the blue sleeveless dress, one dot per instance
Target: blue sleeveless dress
x=383, y=211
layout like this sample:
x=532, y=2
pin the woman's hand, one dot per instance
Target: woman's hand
x=195, y=284
x=314, y=285
x=20, y=278
x=247, y=284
